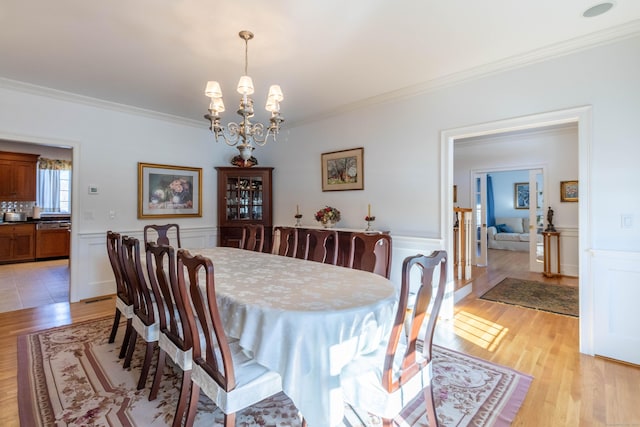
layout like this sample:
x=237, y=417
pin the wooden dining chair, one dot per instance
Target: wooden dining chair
x=167, y=234
x=321, y=246
x=371, y=252
x=220, y=368
x=252, y=237
x=385, y=381
x=285, y=241
x=124, y=298
x=175, y=336
x=144, y=322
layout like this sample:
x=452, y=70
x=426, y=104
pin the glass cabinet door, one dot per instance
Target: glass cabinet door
x=244, y=196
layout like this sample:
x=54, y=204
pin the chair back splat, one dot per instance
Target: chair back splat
x=285, y=241
x=252, y=237
x=163, y=234
x=371, y=252
x=321, y=246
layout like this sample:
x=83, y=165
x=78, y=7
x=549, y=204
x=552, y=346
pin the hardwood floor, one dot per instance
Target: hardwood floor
x=569, y=389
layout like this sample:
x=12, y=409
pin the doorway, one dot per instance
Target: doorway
x=47, y=280
x=581, y=116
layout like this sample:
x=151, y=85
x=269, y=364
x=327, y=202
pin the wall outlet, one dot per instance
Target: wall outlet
x=626, y=221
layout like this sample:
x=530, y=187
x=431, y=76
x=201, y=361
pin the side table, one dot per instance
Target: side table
x=547, y=235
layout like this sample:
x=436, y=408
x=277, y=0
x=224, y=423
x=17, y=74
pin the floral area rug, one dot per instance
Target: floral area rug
x=71, y=376
x=541, y=296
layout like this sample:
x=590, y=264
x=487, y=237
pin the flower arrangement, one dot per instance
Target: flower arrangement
x=241, y=163
x=328, y=214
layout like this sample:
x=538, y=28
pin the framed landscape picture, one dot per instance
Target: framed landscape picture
x=169, y=191
x=342, y=170
x=569, y=191
x=521, y=195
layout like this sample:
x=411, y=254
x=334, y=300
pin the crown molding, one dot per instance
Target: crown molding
x=32, y=89
x=589, y=41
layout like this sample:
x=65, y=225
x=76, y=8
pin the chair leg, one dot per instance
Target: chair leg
x=182, y=400
x=158, y=376
x=125, y=341
x=193, y=404
x=131, y=345
x=431, y=407
x=114, y=328
x=144, y=372
x=230, y=420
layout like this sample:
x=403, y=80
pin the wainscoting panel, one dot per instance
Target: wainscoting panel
x=91, y=274
x=616, y=292
x=569, y=244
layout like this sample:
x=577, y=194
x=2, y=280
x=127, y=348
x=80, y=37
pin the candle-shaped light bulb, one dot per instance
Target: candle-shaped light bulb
x=369, y=210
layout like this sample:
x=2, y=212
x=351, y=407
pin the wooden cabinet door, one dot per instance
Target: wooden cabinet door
x=17, y=242
x=25, y=181
x=6, y=180
x=6, y=242
x=18, y=176
x=52, y=243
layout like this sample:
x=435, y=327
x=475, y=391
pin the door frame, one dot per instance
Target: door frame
x=583, y=117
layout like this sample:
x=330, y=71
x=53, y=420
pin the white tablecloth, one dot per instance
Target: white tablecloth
x=303, y=319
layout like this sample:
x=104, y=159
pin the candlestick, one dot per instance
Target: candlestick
x=369, y=210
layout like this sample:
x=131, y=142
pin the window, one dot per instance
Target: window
x=54, y=186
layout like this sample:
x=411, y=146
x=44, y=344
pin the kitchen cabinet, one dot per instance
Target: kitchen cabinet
x=244, y=197
x=53, y=243
x=18, y=176
x=17, y=242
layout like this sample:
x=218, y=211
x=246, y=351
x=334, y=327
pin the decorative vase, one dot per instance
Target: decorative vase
x=328, y=224
x=369, y=227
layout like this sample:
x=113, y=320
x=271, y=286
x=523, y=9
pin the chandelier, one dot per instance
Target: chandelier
x=244, y=134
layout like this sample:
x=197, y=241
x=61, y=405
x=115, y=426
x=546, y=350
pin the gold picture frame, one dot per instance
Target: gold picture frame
x=166, y=191
x=342, y=170
x=569, y=191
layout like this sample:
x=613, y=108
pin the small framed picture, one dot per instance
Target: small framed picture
x=568, y=191
x=169, y=191
x=342, y=170
x=521, y=195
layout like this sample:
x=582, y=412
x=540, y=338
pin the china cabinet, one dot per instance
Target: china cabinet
x=244, y=197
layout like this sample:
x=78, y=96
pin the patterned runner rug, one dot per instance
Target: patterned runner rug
x=541, y=296
x=71, y=376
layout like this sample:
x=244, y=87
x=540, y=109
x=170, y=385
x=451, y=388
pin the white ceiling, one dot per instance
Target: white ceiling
x=327, y=55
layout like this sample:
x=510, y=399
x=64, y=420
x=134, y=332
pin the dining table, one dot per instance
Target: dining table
x=303, y=319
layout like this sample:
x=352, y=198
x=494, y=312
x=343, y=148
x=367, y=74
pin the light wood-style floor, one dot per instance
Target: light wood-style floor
x=569, y=389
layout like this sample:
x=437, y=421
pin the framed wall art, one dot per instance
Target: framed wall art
x=342, y=170
x=169, y=191
x=568, y=191
x=521, y=195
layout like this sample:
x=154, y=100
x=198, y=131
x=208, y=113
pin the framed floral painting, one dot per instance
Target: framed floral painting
x=169, y=191
x=568, y=191
x=342, y=170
